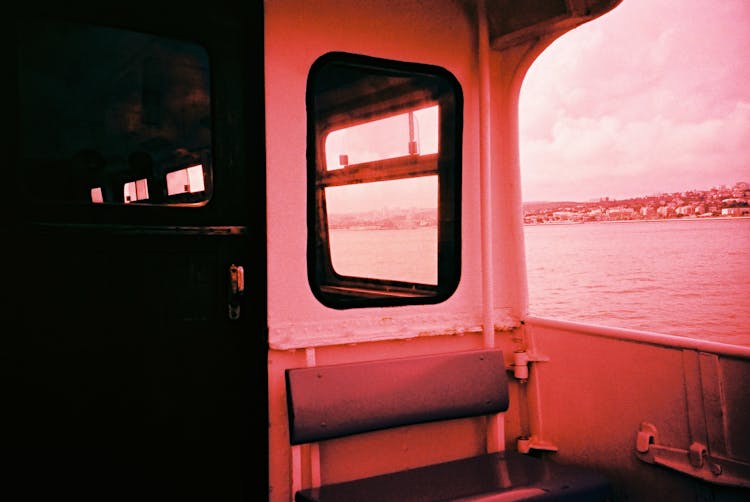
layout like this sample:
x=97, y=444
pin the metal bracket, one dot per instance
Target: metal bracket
x=695, y=461
x=525, y=444
x=521, y=360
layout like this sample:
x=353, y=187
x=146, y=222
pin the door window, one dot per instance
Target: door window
x=111, y=116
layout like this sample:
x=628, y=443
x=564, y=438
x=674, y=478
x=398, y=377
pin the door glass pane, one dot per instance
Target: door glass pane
x=107, y=114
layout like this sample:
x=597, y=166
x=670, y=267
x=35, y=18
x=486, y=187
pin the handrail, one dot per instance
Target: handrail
x=649, y=337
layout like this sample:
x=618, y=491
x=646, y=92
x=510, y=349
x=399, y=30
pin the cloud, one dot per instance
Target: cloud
x=606, y=156
x=647, y=99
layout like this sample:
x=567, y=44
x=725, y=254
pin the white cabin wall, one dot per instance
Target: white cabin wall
x=297, y=32
x=302, y=331
x=507, y=213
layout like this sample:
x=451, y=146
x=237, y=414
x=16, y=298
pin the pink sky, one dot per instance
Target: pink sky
x=652, y=97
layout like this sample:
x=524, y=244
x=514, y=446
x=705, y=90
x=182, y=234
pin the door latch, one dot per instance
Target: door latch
x=236, y=288
x=695, y=461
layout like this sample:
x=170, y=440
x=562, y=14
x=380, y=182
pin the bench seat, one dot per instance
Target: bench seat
x=326, y=402
x=492, y=477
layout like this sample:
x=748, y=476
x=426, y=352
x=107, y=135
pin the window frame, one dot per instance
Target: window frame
x=440, y=88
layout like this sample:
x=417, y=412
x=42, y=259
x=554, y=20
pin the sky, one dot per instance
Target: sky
x=653, y=97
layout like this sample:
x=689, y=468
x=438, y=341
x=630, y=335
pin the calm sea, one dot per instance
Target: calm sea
x=681, y=277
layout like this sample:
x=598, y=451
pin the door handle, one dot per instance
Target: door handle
x=236, y=288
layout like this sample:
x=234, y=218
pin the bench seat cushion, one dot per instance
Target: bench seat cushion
x=495, y=477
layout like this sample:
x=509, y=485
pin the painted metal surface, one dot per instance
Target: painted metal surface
x=582, y=391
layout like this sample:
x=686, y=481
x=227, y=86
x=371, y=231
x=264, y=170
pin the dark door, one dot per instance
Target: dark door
x=135, y=342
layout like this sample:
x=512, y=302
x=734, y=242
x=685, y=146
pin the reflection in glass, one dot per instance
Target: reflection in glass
x=188, y=180
x=106, y=114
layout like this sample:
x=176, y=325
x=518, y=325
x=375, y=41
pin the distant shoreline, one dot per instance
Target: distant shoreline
x=659, y=220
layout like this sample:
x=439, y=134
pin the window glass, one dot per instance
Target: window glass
x=384, y=182
x=397, y=232
x=109, y=116
x=384, y=139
